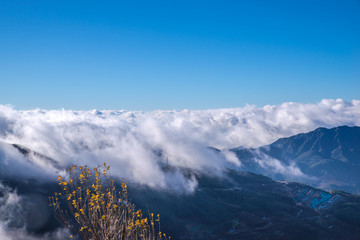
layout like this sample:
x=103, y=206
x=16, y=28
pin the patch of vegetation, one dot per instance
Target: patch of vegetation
x=96, y=211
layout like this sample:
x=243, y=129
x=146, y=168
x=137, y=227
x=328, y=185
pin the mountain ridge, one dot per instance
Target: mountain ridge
x=332, y=156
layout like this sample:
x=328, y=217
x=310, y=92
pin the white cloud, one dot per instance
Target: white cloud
x=13, y=219
x=138, y=144
x=274, y=166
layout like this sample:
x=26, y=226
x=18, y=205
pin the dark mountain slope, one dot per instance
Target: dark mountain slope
x=29, y=154
x=236, y=206
x=249, y=206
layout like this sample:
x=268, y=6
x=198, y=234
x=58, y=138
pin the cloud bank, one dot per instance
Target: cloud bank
x=138, y=144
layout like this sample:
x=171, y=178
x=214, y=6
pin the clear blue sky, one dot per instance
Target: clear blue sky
x=146, y=55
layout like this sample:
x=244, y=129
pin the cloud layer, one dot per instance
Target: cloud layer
x=138, y=144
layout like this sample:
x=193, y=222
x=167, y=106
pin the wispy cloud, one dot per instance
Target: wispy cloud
x=13, y=219
x=272, y=166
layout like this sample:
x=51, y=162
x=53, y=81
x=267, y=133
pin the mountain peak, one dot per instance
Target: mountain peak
x=330, y=155
x=339, y=143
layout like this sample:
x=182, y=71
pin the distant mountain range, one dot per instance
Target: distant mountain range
x=238, y=204
x=328, y=158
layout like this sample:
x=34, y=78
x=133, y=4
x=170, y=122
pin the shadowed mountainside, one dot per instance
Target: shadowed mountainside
x=249, y=206
x=236, y=206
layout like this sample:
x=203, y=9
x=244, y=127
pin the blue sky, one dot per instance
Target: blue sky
x=146, y=55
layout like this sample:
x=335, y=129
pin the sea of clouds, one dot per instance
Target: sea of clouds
x=138, y=145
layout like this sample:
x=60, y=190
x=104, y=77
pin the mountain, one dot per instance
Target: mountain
x=237, y=205
x=33, y=156
x=248, y=206
x=328, y=158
